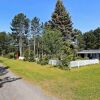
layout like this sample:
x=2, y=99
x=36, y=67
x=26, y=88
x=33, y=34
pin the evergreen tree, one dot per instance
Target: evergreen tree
x=3, y=39
x=90, y=40
x=20, y=28
x=36, y=28
x=79, y=39
x=96, y=33
x=61, y=20
x=6, y=43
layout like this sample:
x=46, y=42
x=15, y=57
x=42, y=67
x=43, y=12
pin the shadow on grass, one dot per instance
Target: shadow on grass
x=1, y=61
x=61, y=67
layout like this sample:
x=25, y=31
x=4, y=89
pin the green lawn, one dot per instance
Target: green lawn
x=77, y=84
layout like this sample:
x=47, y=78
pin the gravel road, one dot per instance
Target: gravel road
x=21, y=90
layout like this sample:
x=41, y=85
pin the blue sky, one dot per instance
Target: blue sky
x=85, y=13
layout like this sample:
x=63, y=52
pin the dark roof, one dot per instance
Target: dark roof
x=88, y=51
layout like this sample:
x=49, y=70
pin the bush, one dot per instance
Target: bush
x=29, y=55
x=10, y=55
x=80, y=58
x=66, y=60
x=44, y=60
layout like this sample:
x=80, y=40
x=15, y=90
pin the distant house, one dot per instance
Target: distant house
x=91, y=54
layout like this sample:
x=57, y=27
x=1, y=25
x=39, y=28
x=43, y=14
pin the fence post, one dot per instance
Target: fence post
x=78, y=64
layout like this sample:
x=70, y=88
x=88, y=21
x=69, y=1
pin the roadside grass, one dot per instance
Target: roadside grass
x=76, y=84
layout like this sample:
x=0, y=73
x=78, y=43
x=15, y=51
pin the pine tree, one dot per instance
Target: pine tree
x=36, y=28
x=61, y=20
x=20, y=29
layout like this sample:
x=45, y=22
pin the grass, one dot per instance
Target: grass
x=77, y=84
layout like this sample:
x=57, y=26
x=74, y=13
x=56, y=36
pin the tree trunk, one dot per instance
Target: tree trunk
x=38, y=49
x=42, y=50
x=20, y=46
x=34, y=46
x=29, y=47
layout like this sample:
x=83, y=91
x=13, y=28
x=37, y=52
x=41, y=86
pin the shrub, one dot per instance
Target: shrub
x=44, y=60
x=66, y=60
x=80, y=58
x=10, y=55
x=29, y=55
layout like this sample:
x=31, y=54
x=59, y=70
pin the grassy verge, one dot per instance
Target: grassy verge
x=77, y=84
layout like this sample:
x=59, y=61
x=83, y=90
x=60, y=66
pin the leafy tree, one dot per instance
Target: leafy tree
x=61, y=20
x=52, y=42
x=2, y=42
x=20, y=28
x=5, y=43
x=90, y=40
x=96, y=33
x=79, y=39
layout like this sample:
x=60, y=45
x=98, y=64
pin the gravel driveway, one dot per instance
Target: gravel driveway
x=21, y=90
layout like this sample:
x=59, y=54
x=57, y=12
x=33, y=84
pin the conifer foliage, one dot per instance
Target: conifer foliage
x=61, y=20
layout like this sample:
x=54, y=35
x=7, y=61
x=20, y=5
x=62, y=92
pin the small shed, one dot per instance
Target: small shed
x=54, y=62
x=91, y=54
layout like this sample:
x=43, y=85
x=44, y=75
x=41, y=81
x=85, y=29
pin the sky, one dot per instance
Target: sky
x=85, y=14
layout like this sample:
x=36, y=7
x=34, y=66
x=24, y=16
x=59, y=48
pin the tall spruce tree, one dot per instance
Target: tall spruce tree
x=61, y=20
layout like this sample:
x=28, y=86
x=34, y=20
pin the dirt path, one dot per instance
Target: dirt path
x=21, y=90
